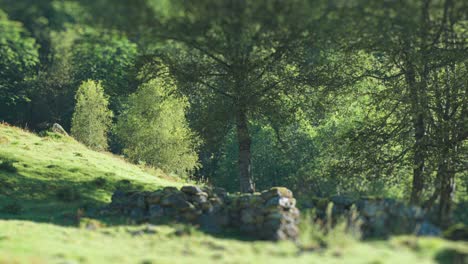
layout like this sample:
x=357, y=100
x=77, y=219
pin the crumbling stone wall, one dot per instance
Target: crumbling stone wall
x=270, y=215
x=379, y=217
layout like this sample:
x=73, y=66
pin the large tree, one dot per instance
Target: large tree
x=18, y=60
x=419, y=51
x=237, y=60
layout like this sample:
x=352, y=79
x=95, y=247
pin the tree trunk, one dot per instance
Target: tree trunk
x=243, y=136
x=447, y=190
x=419, y=155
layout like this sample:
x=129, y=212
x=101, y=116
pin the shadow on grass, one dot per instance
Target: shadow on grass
x=55, y=201
x=451, y=256
x=66, y=203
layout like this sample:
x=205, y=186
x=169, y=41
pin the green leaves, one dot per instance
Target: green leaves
x=92, y=118
x=154, y=130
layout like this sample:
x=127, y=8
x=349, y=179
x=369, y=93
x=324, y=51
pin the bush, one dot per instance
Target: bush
x=92, y=117
x=7, y=166
x=154, y=129
x=68, y=194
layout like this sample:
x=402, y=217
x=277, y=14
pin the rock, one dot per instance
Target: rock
x=220, y=192
x=154, y=198
x=177, y=202
x=207, y=207
x=200, y=198
x=191, y=215
x=156, y=211
x=248, y=228
x=276, y=192
x=191, y=190
x=281, y=202
x=118, y=197
x=291, y=230
x=137, y=214
x=248, y=216
x=170, y=189
x=371, y=209
x=428, y=229
x=56, y=128
x=341, y=200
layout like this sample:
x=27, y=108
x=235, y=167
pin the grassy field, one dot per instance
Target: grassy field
x=53, y=181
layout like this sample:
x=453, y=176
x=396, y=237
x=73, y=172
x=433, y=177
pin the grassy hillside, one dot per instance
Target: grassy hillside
x=44, y=181
x=54, y=175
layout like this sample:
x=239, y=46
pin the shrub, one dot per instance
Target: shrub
x=7, y=165
x=154, y=129
x=68, y=194
x=92, y=118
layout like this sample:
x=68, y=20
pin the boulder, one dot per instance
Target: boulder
x=193, y=190
x=277, y=192
x=155, y=211
x=56, y=128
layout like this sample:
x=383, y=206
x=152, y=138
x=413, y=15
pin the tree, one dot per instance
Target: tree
x=420, y=53
x=153, y=129
x=18, y=60
x=92, y=118
x=241, y=59
x=108, y=57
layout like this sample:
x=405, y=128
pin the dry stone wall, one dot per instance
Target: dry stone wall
x=270, y=215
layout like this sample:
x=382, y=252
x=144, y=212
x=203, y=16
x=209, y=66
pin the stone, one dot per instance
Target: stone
x=154, y=198
x=342, y=200
x=276, y=192
x=207, y=207
x=137, y=214
x=220, y=192
x=156, y=211
x=291, y=230
x=56, y=128
x=170, y=189
x=281, y=202
x=428, y=229
x=191, y=215
x=118, y=197
x=248, y=216
x=200, y=198
x=248, y=228
x=215, y=201
x=191, y=190
x=177, y=202
x=371, y=209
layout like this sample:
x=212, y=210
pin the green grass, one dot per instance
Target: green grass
x=54, y=176
x=50, y=169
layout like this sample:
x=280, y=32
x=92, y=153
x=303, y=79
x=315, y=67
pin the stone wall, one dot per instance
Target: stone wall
x=379, y=217
x=270, y=215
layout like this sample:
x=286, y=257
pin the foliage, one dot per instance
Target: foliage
x=92, y=118
x=154, y=129
x=18, y=60
x=108, y=57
